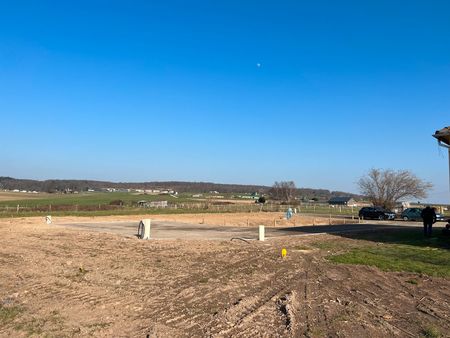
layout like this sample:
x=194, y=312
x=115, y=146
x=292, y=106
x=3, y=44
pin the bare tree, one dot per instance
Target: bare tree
x=386, y=187
x=283, y=191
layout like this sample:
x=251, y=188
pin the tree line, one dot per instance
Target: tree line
x=279, y=193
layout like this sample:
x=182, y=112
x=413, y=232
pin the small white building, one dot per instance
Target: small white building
x=158, y=204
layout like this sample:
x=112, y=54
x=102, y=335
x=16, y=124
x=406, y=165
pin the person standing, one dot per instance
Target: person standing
x=429, y=217
x=289, y=213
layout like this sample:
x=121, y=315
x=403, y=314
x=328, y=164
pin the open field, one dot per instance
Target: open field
x=104, y=204
x=62, y=281
x=44, y=199
x=93, y=198
x=15, y=196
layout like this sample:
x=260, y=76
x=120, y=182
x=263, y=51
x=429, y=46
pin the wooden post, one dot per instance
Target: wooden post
x=18, y=207
x=274, y=222
x=329, y=220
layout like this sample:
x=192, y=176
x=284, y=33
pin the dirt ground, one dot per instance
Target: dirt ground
x=227, y=219
x=61, y=282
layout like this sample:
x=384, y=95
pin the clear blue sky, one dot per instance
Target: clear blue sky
x=171, y=90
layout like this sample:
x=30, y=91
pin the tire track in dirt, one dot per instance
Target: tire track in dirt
x=270, y=296
x=362, y=304
x=190, y=297
x=105, y=285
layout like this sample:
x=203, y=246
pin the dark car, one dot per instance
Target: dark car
x=376, y=213
x=415, y=214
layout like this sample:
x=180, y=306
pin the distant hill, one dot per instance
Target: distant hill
x=10, y=183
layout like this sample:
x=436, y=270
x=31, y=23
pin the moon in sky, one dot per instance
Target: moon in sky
x=258, y=65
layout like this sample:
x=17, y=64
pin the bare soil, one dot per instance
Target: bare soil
x=66, y=282
x=271, y=219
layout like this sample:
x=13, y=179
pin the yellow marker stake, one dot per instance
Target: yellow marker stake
x=283, y=253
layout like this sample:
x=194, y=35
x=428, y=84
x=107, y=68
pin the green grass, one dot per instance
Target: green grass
x=92, y=204
x=129, y=199
x=430, y=332
x=125, y=211
x=92, y=199
x=405, y=250
x=412, y=281
x=8, y=313
x=50, y=325
x=99, y=204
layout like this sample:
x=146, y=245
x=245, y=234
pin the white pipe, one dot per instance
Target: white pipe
x=261, y=232
x=147, y=225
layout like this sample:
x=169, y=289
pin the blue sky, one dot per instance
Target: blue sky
x=171, y=90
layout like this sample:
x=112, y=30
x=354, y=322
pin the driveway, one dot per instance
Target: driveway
x=178, y=230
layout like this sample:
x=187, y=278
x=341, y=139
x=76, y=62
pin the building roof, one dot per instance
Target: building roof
x=443, y=135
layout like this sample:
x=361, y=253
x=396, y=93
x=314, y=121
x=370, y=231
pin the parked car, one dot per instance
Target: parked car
x=376, y=213
x=415, y=214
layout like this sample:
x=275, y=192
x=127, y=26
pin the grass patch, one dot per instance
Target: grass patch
x=399, y=259
x=412, y=237
x=328, y=245
x=412, y=281
x=430, y=332
x=403, y=250
x=42, y=327
x=9, y=313
x=116, y=212
x=31, y=327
